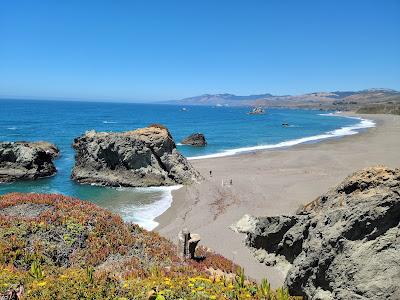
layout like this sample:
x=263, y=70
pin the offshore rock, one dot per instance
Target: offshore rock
x=139, y=158
x=195, y=139
x=26, y=160
x=343, y=245
x=257, y=111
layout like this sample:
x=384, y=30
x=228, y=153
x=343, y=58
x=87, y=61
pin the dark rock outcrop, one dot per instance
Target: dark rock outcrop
x=195, y=139
x=343, y=245
x=26, y=160
x=139, y=158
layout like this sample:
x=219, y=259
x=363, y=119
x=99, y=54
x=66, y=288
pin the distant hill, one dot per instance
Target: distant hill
x=338, y=100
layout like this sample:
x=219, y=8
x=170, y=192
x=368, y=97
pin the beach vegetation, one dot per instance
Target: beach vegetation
x=75, y=250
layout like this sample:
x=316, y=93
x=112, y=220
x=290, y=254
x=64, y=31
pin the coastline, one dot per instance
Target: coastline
x=271, y=182
x=337, y=133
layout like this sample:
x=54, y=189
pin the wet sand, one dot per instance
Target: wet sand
x=272, y=182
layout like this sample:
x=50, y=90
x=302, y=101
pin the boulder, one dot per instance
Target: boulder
x=195, y=139
x=343, y=245
x=138, y=158
x=26, y=160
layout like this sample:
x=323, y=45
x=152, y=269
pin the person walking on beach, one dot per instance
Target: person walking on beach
x=230, y=182
x=210, y=173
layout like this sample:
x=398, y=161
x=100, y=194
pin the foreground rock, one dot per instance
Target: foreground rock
x=195, y=139
x=139, y=158
x=343, y=245
x=26, y=160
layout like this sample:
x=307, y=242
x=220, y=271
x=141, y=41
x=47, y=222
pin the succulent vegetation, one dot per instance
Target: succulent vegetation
x=59, y=247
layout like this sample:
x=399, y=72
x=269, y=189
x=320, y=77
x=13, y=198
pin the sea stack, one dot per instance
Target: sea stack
x=26, y=160
x=343, y=245
x=195, y=139
x=257, y=111
x=139, y=158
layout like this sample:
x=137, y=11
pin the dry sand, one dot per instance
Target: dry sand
x=272, y=182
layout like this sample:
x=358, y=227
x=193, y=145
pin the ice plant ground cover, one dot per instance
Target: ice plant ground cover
x=59, y=247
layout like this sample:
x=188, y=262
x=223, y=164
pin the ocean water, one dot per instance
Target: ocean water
x=229, y=130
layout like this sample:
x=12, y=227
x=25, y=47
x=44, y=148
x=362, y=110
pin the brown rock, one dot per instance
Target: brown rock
x=138, y=158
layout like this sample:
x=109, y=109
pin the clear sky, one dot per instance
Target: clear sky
x=161, y=50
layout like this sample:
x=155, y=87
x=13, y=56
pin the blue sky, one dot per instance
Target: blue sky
x=161, y=50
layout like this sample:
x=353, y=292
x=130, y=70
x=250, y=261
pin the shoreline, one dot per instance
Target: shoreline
x=336, y=133
x=271, y=182
x=167, y=200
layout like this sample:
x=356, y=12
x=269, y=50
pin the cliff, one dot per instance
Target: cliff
x=139, y=158
x=386, y=108
x=343, y=245
x=195, y=139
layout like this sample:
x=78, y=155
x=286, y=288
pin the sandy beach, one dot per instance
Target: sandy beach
x=272, y=182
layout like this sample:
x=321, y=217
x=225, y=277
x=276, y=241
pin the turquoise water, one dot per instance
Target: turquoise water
x=228, y=131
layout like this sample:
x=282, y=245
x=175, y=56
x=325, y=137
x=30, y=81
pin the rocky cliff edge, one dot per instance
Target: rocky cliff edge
x=343, y=245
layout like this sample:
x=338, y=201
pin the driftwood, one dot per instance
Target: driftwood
x=13, y=294
x=188, y=243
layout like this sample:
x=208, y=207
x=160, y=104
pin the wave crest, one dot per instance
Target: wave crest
x=343, y=131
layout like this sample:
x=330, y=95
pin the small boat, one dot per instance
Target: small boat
x=257, y=111
x=183, y=109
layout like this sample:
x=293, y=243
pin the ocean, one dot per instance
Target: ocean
x=228, y=130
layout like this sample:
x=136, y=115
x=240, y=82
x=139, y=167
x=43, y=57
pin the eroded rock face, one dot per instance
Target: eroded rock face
x=139, y=158
x=195, y=139
x=343, y=245
x=49, y=148
x=26, y=160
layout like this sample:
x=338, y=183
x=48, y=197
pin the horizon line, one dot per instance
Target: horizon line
x=110, y=100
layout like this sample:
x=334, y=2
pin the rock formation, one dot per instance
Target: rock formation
x=257, y=111
x=187, y=244
x=26, y=160
x=195, y=139
x=139, y=158
x=343, y=245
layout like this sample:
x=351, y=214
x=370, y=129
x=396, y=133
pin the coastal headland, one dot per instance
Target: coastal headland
x=272, y=182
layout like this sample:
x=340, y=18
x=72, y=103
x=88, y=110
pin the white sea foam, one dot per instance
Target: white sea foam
x=337, y=114
x=344, y=131
x=109, y=122
x=145, y=215
x=179, y=144
x=329, y=114
x=12, y=128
